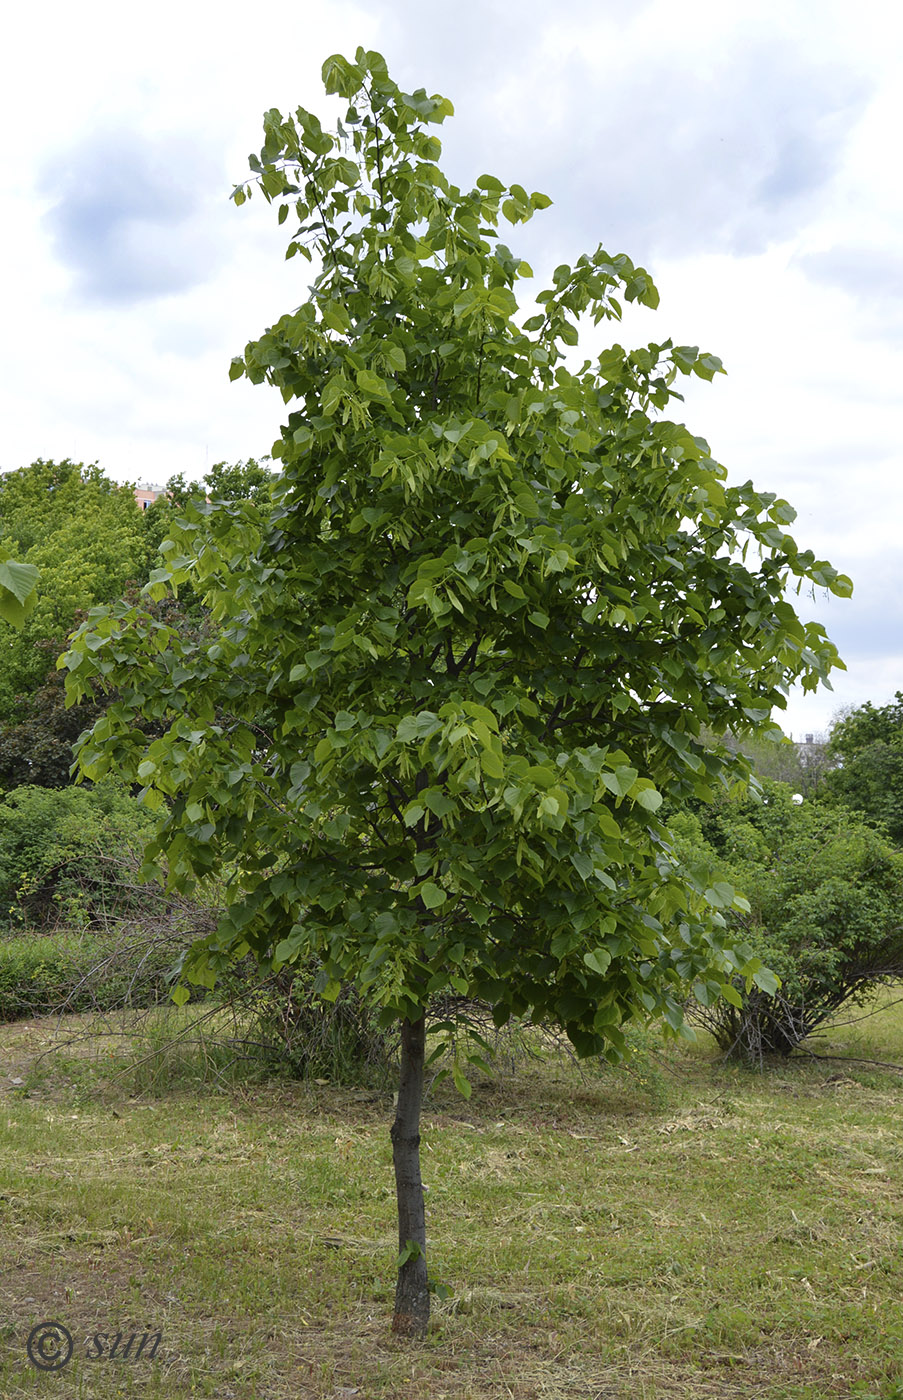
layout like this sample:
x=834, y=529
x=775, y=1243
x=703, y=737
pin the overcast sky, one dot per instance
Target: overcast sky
x=747, y=155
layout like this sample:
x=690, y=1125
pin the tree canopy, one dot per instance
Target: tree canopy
x=471, y=638
x=86, y=537
x=867, y=746
x=225, y=481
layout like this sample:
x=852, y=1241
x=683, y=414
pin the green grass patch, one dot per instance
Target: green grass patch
x=678, y=1228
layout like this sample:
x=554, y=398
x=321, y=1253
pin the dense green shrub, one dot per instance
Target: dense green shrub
x=120, y=947
x=61, y=855
x=43, y=975
x=826, y=910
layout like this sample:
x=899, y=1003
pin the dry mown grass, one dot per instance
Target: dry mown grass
x=675, y=1231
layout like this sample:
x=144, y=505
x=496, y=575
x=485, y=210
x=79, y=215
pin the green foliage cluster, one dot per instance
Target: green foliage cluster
x=93, y=544
x=225, y=481
x=37, y=749
x=867, y=747
x=86, y=537
x=68, y=971
x=825, y=892
x=58, y=854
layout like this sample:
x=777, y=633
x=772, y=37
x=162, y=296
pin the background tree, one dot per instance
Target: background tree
x=773, y=755
x=826, y=910
x=239, y=481
x=468, y=642
x=866, y=746
x=86, y=536
x=225, y=481
x=37, y=749
x=816, y=762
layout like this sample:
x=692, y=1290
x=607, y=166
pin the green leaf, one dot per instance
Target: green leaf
x=18, y=590
x=461, y=1082
x=370, y=383
x=411, y=1250
x=598, y=960
x=730, y=994
x=582, y=864
x=432, y=895
x=491, y=764
x=766, y=981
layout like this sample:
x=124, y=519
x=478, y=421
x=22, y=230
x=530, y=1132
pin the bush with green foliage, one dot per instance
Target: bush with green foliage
x=77, y=972
x=60, y=855
x=826, y=911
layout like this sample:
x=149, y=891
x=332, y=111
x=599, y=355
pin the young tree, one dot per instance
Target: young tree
x=772, y=756
x=469, y=641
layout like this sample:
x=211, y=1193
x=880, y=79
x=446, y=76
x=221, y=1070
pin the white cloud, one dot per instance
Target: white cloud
x=132, y=216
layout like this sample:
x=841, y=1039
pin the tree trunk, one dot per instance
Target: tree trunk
x=412, y=1298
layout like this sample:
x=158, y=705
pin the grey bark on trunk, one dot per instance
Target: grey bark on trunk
x=412, y=1297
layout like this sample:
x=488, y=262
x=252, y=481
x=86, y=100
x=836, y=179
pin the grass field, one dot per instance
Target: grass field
x=678, y=1228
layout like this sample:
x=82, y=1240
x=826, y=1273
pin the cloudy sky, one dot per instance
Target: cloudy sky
x=748, y=155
